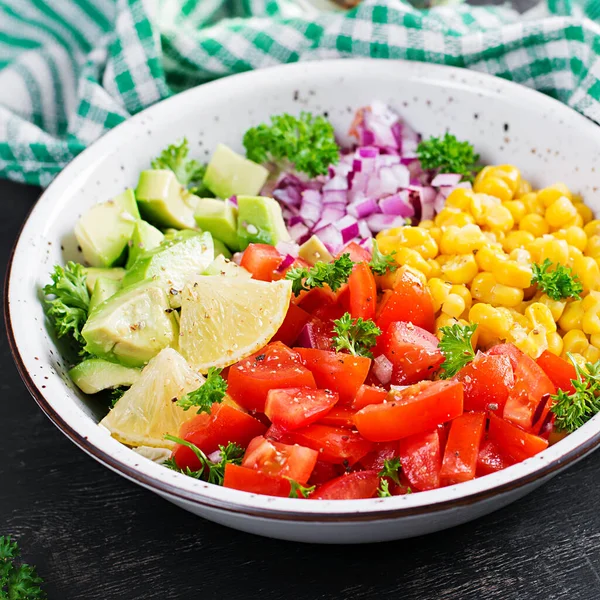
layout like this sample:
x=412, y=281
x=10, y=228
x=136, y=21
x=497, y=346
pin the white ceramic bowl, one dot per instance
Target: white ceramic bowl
x=507, y=124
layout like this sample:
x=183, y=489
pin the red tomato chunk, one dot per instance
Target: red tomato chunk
x=353, y=486
x=262, y=261
x=292, y=408
x=559, y=371
x=421, y=460
x=491, y=459
x=255, y=482
x=512, y=441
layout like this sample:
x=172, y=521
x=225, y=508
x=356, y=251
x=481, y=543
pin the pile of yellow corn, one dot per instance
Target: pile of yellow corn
x=476, y=257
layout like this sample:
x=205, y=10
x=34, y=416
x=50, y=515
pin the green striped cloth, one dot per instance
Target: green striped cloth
x=72, y=69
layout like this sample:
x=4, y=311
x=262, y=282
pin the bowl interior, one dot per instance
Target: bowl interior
x=506, y=123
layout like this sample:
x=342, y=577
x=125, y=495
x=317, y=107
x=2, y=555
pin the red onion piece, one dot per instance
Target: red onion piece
x=382, y=368
x=285, y=263
x=284, y=247
x=299, y=232
x=379, y=222
x=446, y=179
x=331, y=237
x=362, y=208
x=397, y=204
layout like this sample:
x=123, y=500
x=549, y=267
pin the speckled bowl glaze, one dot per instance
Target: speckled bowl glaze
x=506, y=122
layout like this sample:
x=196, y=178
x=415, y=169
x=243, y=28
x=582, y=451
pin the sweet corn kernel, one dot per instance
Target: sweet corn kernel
x=510, y=272
x=461, y=240
x=576, y=237
x=534, y=224
x=479, y=204
x=576, y=221
x=595, y=340
x=453, y=216
x=489, y=257
x=418, y=239
x=439, y=291
x=426, y=224
x=459, y=198
x=490, y=320
x=498, y=217
x=556, y=307
x=524, y=188
x=540, y=316
x=574, y=356
x=532, y=204
x=575, y=341
x=592, y=228
x=445, y=320
x=435, y=271
x=572, y=316
x=517, y=317
x=485, y=172
x=407, y=256
x=517, y=209
x=555, y=342
x=585, y=211
x=521, y=256
x=551, y=194
x=485, y=288
x=460, y=268
x=560, y=212
x=517, y=239
x=557, y=251
x=494, y=186
x=592, y=354
x=590, y=322
x=454, y=306
x=593, y=246
x=464, y=293
x=509, y=174
x=533, y=343
x=586, y=268
x=590, y=301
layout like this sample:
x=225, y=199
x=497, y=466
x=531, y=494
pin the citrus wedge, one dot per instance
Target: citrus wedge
x=225, y=319
x=146, y=412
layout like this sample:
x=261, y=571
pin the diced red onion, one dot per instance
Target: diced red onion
x=397, y=204
x=364, y=231
x=237, y=257
x=285, y=263
x=337, y=183
x=379, y=222
x=382, y=368
x=331, y=237
x=233, y=200
x=443, y=179
x=298, y=232
x=294, y=220
x=348, y=227
x=284, y=247
x=306, y=338
x=368, y=152
x=362, y=208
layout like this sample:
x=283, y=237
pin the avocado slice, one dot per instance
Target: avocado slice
x=92, y=274
x=219, y=217
x=162, y=200
x=229, y=174
x=313, y=251
x=104, y=231
x=170, y=264
x=226, y=268
x=104, y=288
x=260, y=220
x=132, y=326
x=95, y=374
x=221, y=249
x=144, y=237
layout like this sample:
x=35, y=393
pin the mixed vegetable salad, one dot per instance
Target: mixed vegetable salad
x=327, y=322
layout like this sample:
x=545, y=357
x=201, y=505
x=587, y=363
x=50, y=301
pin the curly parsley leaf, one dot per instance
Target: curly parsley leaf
x=17, y=582
x=355, y=335
x=299, y=491
x=457, y=348
x=382, y=263
x=448, y=155
x=189, y=172
x=307, y=142
x=211, y=391
x=210, y=471
x=391, y=467
x=116, y=394
x=383, y=491
x=575, y=409
x=558, y=283
x=333, y=274
x=67, y=309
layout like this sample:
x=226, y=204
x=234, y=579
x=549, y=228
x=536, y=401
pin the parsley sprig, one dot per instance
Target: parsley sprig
x=211, y=391
x=17, y=582
x=448, y=155
x=300, y=491
x=357, y=336
x=456, y=348
x=391, y=468
x=67, y=309
x=558, y=283
x=333, y=274
x=575, y=409
x=307, y=142
x=382, y=263
x=189, y=172
x=212, y=472
x=383, y=491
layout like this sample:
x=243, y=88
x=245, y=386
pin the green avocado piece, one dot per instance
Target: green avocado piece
x=104, y=288
x=260, y=221
x=313, y=251
x=95, y=374
x=226, y=268
x=219, y=217
x=144, y=237
x=92, y=274
x=229, y=174
x=104, y=231
x=170, y=264
x=132, y=326
x=162, y=200
x=221, y=249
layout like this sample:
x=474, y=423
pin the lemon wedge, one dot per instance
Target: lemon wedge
x=147, y=412
x=225, y=319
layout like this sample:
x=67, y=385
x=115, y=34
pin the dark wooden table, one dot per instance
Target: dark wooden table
x=95, y=536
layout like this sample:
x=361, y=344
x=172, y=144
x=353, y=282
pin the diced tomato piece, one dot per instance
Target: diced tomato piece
x=273, y=367
x=415, y=409
x=324, y=471
x=352, y=486
x=376, y=459
x=224, y=424
x=255, y=482
x=421, y=460
x=339, y=416
x=313, y=299
x=559, y=371
x=409, y=301
x=531, y=385
x=261, y=260
x=318, y=333
x=490, y=459
x=279, y=434
x=362, y=292
x=487, y=381
x=334, y=444
x=357, y=253
x=462, y=448
x=295, y=319
x=342, y=373
x=368, y=394
x=513, y=441
x=413, y=352
x=292, y=408
x=443, y=429
x=275, y=458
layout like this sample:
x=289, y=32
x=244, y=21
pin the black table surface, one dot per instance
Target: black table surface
x=95, y=536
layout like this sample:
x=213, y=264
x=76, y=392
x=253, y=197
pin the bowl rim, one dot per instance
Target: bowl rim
x=283, y=508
